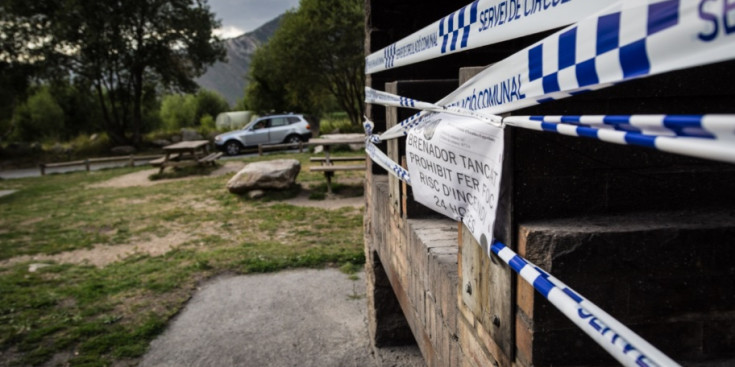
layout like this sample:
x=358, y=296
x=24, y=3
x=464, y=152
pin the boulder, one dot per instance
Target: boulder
x=161, y=142
x=275, y=174
x=190, y=134
x=123, y=149
x=256, y=194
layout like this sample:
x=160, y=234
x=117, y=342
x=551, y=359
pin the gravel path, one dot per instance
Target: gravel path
x=291, y=318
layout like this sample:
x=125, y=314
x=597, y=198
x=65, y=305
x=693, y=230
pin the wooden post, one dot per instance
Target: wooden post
x=132, y=161
x=43, y=169
x=301, y=147
x=329, y=175
x=86, y=164
x=260, y=149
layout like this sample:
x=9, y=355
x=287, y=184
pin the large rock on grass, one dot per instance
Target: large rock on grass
x=267, y=175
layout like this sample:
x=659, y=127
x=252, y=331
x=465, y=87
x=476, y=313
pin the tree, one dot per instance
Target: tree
x=81, y=113
x=316, y=51
x=177, y=111
x=121, y=47
x=39, y=117
x=209, y=103
x=188, y=110
x=15, y=83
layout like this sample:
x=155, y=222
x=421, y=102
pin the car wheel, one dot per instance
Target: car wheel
x=232, y=147
x=293, y=139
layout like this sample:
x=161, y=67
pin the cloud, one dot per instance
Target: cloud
x=247, y=15
x=228, y=32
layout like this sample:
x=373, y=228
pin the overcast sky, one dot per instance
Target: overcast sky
x=241, y=16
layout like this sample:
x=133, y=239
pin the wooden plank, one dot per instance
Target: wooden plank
x=491, y=298
x=337, y=159
x=337, y=168
x=157, y=162
x=178, y=164
x=393, y=150
x=210, y=158
x=266, y=147
x=194, y=144
x=123, y=158
x=335, y=141
x=64, y=164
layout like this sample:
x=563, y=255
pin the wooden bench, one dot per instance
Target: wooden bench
x=159, y=161
x=337, y=159
x=210, y=159
x=329, y=168
x=334, y=168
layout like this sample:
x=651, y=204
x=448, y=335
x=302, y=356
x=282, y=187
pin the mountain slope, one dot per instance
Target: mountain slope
x=230, y=78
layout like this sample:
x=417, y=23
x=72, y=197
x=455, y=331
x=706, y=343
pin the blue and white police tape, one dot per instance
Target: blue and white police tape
x=480, y=23
x=628, y=40
x=707, y=148
x=622, y=343
x=718, y=127
x=701, y=136
x=369, y=126
x=391, y=100
x=377, y=156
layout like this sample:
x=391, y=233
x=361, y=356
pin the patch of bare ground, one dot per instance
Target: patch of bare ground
x=334, y=202
x=197, y=203
x=140, y=178
x=102, y=255
x=32, y=221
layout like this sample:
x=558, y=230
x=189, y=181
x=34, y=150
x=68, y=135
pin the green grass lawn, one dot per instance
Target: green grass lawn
x=108, y=314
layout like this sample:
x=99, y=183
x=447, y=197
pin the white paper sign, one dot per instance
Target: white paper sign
x=455, y=164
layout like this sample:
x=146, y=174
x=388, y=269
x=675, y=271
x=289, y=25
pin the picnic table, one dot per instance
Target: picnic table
x=186, y=153
x=327, y=162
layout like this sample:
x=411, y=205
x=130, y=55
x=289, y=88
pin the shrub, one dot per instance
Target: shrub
x=39, y=117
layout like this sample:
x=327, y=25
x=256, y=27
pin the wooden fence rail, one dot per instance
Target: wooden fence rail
x=88, y=162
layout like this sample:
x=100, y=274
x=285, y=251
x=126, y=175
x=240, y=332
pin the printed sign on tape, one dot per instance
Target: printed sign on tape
x=456, y=165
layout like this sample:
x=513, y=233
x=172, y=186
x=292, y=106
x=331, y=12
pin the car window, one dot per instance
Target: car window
x=293, y=120
x=261, y=124
x=279, y=121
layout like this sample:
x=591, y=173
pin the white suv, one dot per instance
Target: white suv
x=274, y=129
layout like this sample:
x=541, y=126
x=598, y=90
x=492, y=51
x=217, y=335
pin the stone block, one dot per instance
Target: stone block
x=719, y=337
x=667, y=337
x=661, y=274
